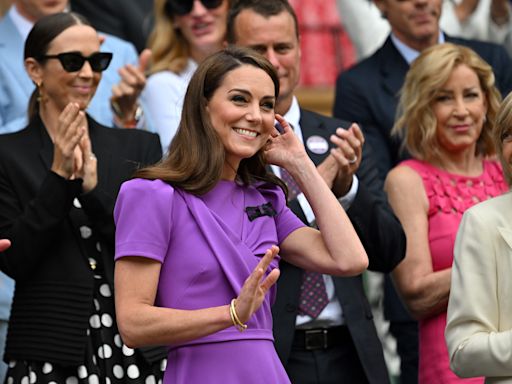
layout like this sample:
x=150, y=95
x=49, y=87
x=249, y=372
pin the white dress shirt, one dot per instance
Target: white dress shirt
x=163, y=97
x=332, y=314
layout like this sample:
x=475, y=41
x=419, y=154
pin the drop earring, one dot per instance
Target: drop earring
x=40, y=94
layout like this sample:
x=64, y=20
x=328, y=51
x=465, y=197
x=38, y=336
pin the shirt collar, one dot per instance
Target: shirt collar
x=408, y=53
x=292, y=116
x=22, y=24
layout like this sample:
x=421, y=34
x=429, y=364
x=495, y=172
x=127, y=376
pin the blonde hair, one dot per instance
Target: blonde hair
x=169, y=47
x=502, y=126
x=415, y=120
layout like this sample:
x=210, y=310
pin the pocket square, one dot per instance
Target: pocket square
x=260, y=210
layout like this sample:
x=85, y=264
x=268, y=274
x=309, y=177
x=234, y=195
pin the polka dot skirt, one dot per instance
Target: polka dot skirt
x=107, y=359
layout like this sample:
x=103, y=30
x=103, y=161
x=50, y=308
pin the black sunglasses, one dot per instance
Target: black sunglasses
x=74, y=61
x=184, y=7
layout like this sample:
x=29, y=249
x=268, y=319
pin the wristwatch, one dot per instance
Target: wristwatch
x=119, y=118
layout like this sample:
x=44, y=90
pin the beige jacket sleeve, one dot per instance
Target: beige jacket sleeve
x=479, y=322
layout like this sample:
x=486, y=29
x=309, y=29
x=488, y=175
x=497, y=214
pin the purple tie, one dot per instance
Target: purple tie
x=313, y=295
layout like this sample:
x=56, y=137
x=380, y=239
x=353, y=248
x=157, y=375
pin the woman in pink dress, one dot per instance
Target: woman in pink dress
x=446, y=112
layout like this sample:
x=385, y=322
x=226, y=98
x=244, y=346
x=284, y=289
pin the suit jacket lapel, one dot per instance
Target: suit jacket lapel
x=506, y=233
x=310, y=125
x=393, y=67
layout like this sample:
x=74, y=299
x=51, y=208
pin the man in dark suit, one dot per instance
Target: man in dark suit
x=339, y=344
x=368, y=94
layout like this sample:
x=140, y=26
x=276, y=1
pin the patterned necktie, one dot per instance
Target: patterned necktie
x=313, y=295
x=293, y=188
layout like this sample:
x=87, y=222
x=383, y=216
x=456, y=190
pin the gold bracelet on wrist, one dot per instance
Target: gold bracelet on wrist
x=234, y=317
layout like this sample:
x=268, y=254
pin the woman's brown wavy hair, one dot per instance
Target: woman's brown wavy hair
x=196, y=155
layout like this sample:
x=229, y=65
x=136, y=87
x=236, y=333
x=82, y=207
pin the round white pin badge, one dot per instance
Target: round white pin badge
x=317, y=144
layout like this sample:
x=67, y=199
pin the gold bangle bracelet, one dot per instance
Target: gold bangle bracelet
x=234, y=317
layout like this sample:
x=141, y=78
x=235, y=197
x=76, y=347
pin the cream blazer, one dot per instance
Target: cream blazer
x=479, y=327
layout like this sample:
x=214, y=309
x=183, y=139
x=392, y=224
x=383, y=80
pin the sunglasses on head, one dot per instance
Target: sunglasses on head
x=184, y=7
x=74, y=61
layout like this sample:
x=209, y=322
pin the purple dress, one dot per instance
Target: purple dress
x=208, y=246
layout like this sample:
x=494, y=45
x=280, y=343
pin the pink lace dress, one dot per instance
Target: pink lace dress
x=449, y=195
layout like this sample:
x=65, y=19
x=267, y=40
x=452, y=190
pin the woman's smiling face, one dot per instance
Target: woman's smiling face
x=61, y=87
x=242, y=112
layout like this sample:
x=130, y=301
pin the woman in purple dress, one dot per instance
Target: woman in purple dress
x=198, y=234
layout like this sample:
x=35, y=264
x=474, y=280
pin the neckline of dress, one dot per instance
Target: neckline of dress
x=457, y=175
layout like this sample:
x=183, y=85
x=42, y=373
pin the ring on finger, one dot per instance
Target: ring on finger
x=92, y=156
x=353, y=160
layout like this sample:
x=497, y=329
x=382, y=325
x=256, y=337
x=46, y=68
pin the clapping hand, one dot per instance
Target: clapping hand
x=126, y=93
x=71, y=127
x=339, y=167
x=72, y=153
x=256, y=286
x=88, y=171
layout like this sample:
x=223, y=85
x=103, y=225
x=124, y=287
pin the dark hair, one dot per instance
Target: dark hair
x=264, y=8
x=39, y=39
x=196, y=155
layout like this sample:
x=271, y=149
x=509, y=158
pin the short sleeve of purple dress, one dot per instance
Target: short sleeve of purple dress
x=208, y=246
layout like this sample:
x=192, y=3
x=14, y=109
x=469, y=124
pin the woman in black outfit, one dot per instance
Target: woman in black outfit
x=59, y=178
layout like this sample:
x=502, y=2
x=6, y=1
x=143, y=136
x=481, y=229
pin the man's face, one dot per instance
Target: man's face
x=276, y=39
x=414, y=22
x=36, y=9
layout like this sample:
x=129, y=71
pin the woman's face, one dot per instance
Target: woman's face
x=460, y=107
x=506, y=142
x=242, y=112
x=204, y=29
x=60, y=87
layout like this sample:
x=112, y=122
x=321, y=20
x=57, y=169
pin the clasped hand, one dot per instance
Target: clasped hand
x=72, y=154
